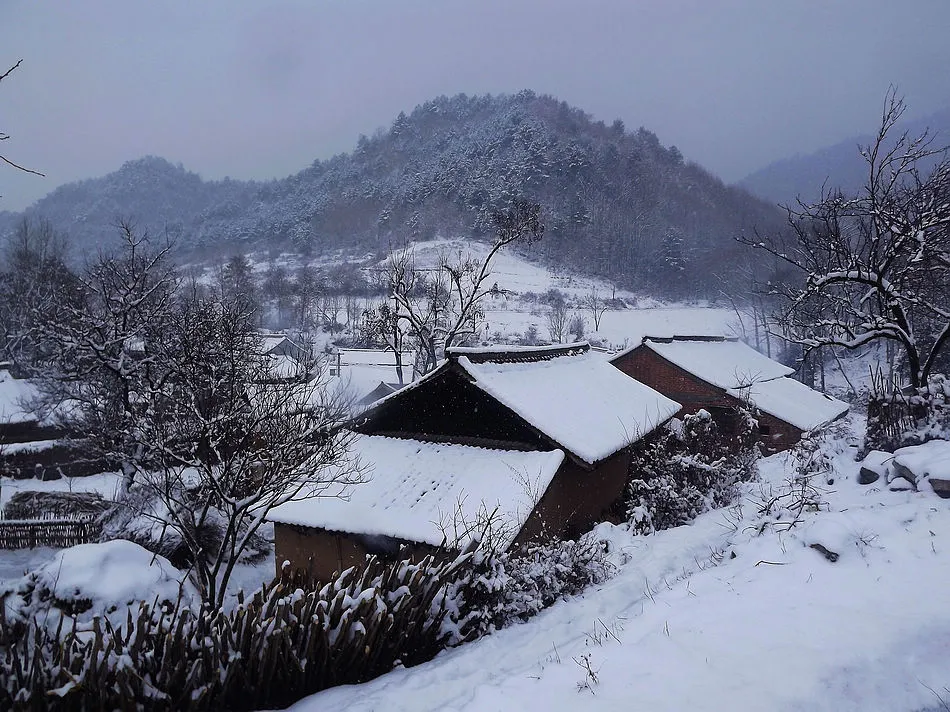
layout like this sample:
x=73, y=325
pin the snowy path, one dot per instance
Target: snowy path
x=776, y=627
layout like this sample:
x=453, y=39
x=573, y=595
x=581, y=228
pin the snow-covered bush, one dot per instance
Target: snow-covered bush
x=94, y=579
x=284, y=643
x=497, y=589
x=897, y=419
x=684, y=471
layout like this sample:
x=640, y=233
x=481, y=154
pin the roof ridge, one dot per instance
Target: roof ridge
x=516, y=354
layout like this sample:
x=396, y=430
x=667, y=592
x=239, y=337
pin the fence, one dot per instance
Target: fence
x=53, y=532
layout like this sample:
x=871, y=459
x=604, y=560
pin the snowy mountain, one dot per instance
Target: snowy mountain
x=616, y=203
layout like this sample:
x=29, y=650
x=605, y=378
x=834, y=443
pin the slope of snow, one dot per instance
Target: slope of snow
x=426, y=492
x=718, y=616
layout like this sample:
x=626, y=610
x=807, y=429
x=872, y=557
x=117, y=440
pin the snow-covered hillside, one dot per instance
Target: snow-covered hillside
x=738, y=611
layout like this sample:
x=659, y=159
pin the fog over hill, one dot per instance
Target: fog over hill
x=836, y=166
x=617, y=203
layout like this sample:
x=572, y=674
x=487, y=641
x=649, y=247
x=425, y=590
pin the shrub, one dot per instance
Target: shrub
x=897, y=418
x=681, y=473
x=282, y=644
x=498, y=589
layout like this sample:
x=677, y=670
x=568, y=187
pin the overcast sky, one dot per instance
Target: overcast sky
x=258, y=90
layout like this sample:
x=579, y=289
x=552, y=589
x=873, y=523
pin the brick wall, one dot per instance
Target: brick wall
x=577, y=499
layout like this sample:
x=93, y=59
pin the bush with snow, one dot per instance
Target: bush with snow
x=499, y=588
x=268, y=652
x=682, y=472
x=94, y=579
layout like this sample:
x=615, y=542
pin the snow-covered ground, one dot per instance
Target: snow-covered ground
x=734, y=612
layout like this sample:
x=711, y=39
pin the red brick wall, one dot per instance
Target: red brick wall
x=577, y=499
x=692, y=393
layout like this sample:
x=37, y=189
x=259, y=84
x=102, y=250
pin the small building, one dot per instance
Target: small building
x=286, y=360
x=721, y=374
x=535, y=442
x=382, y=390
x=33, y=446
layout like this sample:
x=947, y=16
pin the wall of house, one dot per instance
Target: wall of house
x=449, y=406
x=577, y=499
x=320, y=554
x=691, y=392
x=695, y=394
x=777, y=435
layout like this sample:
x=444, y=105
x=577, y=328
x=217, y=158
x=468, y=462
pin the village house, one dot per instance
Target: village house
x=720, y=374
x=513, y=443
x=32, y=445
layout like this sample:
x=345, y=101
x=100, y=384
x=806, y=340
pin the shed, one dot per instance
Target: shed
x=720, y=374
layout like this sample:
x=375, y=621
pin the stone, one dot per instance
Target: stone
x=867, y=476
x=940, y=487
x=902, y=471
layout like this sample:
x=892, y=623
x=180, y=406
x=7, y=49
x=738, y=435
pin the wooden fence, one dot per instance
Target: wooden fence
x=53, y=532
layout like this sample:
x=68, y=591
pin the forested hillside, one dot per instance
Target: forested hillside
x=616, y=203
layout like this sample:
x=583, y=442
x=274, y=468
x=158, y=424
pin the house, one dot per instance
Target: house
x=361, y=373
x=286, y=360
x=528, y=442
x=720, y=374
x=382, y=390
x=32, y=445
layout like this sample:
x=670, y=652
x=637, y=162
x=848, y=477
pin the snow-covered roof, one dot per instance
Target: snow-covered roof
x=574, y=397
x=281, y=366
x=746, y=374
x=15, y=396
x=726, y=363
x=427, y=492
x=793, y=402
x=269, y=342
x=373, y=357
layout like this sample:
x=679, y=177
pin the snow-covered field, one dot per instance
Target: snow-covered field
x=734, y=612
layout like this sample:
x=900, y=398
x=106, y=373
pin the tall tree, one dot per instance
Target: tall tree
x=874, y=265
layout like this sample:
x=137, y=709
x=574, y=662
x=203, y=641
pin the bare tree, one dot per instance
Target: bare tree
x=577, y=326
x=557, y=321
x=35, y=279
x=442, y=306
x=173, y=384
x=596, y=305
x=222, y=441
x=94, y=340
x=5, y=136
x=875, y=265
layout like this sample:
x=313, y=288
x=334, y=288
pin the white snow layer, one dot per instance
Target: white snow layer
x=727, y=364
x=932, y=459
x=793, y=402
x=581, y=402
x=15, y=396
x=430, y=492
x=729, y=613
x=113, y=572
